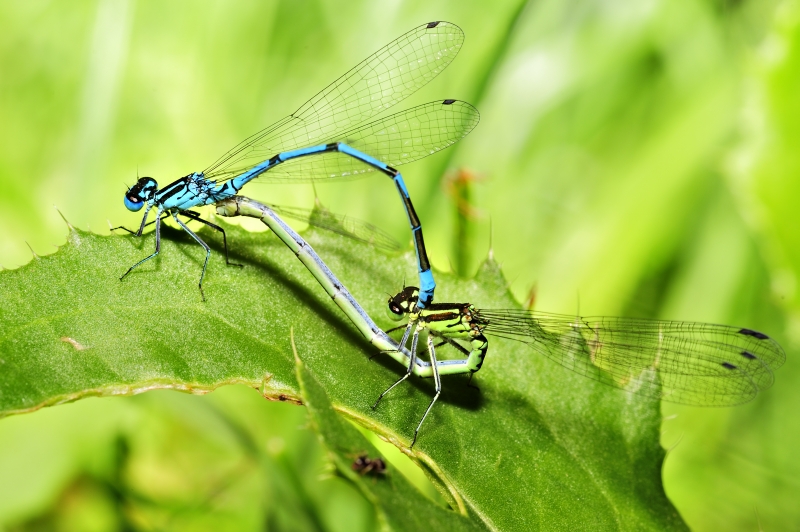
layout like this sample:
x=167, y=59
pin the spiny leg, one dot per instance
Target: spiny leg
x=194, y=216
x=388, y=331
x=444, y=341
x=437, y=381
x=400, y=346
x=409, y=325
x=205, y=246
x=411, y=321
x=158, y=243
x=144, y=220
x=141, y=227
x=411, y=361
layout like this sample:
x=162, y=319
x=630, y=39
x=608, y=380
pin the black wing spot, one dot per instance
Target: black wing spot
x=754, y=334
x=728, y=365
x=448, y=102
x=748, y=355
x=432, y=24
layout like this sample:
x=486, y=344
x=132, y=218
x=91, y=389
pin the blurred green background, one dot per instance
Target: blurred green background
x=634, y=158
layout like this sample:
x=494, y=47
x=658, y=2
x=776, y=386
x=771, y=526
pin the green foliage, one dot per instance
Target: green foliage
x=401, y=505
x=632, y=159
x=572, y=454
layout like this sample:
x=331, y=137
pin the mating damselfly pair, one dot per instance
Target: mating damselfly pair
x=698, y=364
x=335, y=134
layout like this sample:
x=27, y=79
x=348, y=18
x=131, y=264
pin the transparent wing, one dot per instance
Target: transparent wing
x=697, y=363
x=343, y=225
x=383, y=79
x=395, y=140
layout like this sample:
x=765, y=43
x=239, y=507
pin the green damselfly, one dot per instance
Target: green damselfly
x=698, y=364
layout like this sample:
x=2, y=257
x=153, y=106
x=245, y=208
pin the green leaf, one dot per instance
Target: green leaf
x=535, y=447
x=399, y=505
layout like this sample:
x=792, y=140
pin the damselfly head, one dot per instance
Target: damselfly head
x=138, y=194
x=403, y=303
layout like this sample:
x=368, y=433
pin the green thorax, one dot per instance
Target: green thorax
x=454, y=320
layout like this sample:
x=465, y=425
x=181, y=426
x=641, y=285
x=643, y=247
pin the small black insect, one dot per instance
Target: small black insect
x=365, y=465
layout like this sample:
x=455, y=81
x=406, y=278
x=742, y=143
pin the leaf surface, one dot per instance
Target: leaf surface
x=534, y=447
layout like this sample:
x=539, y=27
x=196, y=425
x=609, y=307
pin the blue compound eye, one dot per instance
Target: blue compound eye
x=133, y=203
